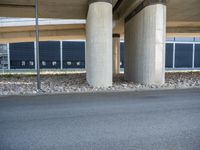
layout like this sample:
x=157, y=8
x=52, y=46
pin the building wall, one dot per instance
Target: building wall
x=181, y=53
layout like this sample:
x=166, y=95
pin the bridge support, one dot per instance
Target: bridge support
x=99, y=43
x=145, y=31
x=116, y=53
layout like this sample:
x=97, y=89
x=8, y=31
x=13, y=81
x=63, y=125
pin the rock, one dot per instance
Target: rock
x=77, y=83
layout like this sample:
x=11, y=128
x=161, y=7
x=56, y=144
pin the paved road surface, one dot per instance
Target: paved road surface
x=154, y=120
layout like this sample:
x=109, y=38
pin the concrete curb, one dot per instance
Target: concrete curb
x=99, y=92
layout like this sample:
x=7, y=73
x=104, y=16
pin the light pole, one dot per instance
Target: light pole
x=37, y=46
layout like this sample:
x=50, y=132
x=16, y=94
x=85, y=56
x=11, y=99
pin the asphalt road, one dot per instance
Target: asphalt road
x=154, y=120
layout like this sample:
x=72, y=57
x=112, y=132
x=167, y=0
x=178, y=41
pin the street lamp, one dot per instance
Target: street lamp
x=37, y=46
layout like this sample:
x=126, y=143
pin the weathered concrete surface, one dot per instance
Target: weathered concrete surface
x=47, y=32
x=145, y=46
x=66, y=9
x=106, y=121
x=183, y=29
x=179, y=12
x=99, y=44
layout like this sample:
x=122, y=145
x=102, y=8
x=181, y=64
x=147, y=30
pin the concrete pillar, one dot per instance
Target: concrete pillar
x=145, y=31
x=116, y=53
x=99, y=43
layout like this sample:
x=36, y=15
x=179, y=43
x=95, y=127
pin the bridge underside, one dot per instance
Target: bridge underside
x=183, y=16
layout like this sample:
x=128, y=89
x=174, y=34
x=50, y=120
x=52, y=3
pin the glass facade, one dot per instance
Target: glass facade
x=73, y=54
x=21, y=54
x=197, y=56
x=3, y=57
x=49, y=55
x=122, y=55
x=181, y=53
x=169, y=55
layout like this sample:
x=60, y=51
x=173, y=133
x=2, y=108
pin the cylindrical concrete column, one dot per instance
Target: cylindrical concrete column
x=116, y=53
x=145, y=32
x=99, y=43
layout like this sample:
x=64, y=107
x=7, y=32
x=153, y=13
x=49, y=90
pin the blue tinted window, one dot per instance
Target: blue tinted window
x=197, y=55
x=122, y=54
x=73, y=52
x=49, y=51
x=21, y=52
x=183, y=55
x=169, y=56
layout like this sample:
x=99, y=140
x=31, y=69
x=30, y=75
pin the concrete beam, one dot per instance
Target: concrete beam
x=190, y=30
x=27, y=36
x=43, y=27
x=47, y=32
x=183, y=29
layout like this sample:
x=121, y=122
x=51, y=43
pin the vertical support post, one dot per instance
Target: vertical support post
x=174, y=53
x=37, y=45
x=3, y=62
x=61, y=55
x=8, y=52
x=35, y=59
x=193, y=56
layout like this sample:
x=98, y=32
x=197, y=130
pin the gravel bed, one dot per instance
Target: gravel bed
x=66, y=83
